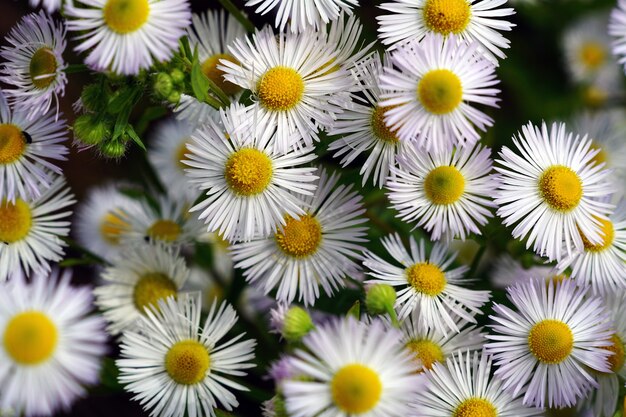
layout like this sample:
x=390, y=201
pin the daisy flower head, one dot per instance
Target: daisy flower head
x=550, y=189
x=292, y=92
x=173, y=356
x=126, y=36
x=617, y=29
x=315, y=249
x=445, y=192
x=34, y=65
x=427, y=284
x=469, y=20
x=431, y=91
x=249, y=185
x=30, y=230
x=344, y=36
x=212, y=33
x=26, y=148
x=546, y=346
x=303, y=16
x=351, y=368
x=140, y=277
x=463, y=386
x=50, y=343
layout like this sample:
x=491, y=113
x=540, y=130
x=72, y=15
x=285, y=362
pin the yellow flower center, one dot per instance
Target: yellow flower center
x=30, y=338
x=440, y=91
x=12, y=143
x=280, y=88
x=608, y=235
x=426, y=278
x=126, y=16
x=180, y=155
x=561, y=188
x=112, y=227
x=592, y=54
x=475, y=407
x=616, y=360
x=248, y=171
x=209, y=68
x=444, y=185
x=601, y=157
x=165, y=230
x=380, y=128
x=151, y=288
x=426, y=352
x=43, y=67
x=15, y=221
x=447, y=16
x=356, y=389
x=187, y=362
x=300, y=237
x=595, y=96
x=551, y=341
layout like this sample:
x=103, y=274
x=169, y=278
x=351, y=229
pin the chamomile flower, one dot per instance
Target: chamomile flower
x=431, y=91
x=177, y=366
x=292, y=95
x=303, y=15
x=617, y=29
x=463, y=387
x=211, y=33
x=140, y=277
x=126, y=36
x=30, y=230
x=427, y=284
x=352, y=369
x=248, y=184
x=548, y=344
x=445, y=192
x=51, y=347
x=471, y=20
x=315, y=249
x=27, y=147
x=34, y=66
x=550, y=190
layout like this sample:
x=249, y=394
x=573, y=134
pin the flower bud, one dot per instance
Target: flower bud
x=163, y=85
x=91, y=129
x=380, y=299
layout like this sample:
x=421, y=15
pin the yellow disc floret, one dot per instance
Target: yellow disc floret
x=15, y=220
x=380, y=128
x=426, y=352
x=248, y=171
x=300, y=237
x=444, y=185
x=447, y=16
x=30, y=338
x=126, y=16
x=112, y=227
x=551, y=341
x=440, y=91
x=561, y=188
x=187, y=362
x=43, y=67
x=165, y=230
x=12, y=143
x=280, y=88
x=607, y=233
x=475, y=407
x=356, y=389
x=592, y=55
x=426, y=278
x=151, y=288
x=601, y=157
x=209, y=68
x=617, y=359
x=181, y=151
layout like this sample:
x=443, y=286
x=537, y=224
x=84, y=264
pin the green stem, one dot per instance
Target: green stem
x=75, y=68
x=234, y=10
x=476, y=260
x=219, y=93
x=74, y=245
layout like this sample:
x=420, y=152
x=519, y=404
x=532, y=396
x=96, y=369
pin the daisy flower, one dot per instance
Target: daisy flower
x=449, y=77
x=27, y=145
x=291, y=94
x=30, y=230
x=464, y=387
x=507, y=271
x=617, y=29
x=344, y=37
x=428, y=284
x=549, y=190
x=469, y=20
x=34, y=65
x=445, y=192
x=352, y=369
x=303, y=15
x=172, y=356
x=140, y=277
x=546, y=346
x=50, y=5
x=246, y=181
x=212, y=33
x=50, y=344
x=126, y=36
x=316, y=249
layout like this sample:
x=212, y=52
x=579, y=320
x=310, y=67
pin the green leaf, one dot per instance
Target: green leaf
x=199, y=81
x=130, y=131
x=185, y=48
x=355, y=310
x=66, y=263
